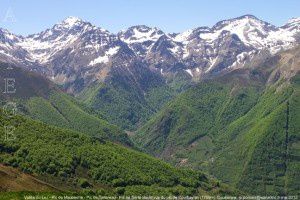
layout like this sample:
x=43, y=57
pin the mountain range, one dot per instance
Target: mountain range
x=220, y=99
x=198, y=51
x=242, y=127
x=83, y=58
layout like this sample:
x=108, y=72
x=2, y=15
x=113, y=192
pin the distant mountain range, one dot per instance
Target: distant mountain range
x=75, y=49
x=88, y=61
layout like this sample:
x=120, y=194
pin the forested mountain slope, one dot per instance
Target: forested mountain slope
x=72, y=161
x=40, y=99
x=126, y=77
x=242, y=127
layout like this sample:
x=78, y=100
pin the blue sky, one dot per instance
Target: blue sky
x=33, y=16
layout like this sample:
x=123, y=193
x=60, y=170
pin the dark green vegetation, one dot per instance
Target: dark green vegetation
x=42, y=100
x=119, y=106
x=73, y=160
x=242, y=127
x=129, y=101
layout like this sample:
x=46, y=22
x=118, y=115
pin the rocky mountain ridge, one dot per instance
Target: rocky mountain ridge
x=75, y=51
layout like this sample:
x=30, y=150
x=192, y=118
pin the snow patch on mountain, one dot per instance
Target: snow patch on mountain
x=293, y=21
x=250, y=31
x=189, y=71
x=42, y=51
x=212, y=64
x=105, y=58
x=71, y=21
x=255, y=33
x=140, y=34
x=183, y=37
x=74, y=43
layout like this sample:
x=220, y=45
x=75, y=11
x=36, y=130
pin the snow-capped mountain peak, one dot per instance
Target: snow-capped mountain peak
x=42, y=47
x=75, y=46
x=248, y=28
x=8, y=37
x=71, y=21
x=184, y=36
x=140, y=33
x=140, y=38
x=293, y=24
x=295, y=20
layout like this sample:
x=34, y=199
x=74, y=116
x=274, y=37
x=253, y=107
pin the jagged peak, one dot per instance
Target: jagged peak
x=74, y=24
x=71, y=21
x=294, y=19
x=247, y=16
x=8, y=35
x=140, y=33
x=142, y=28
x=244, y=18
x=292, y=24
